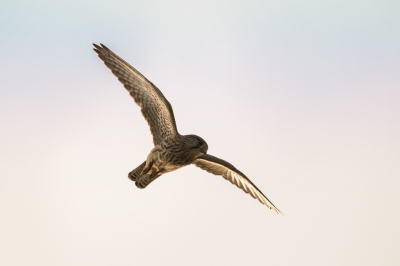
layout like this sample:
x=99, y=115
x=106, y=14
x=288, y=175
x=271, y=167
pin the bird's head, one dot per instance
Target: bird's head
x=195, y=143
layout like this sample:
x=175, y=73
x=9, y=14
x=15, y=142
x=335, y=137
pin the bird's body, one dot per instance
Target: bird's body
x=171, y=150
x=169, y=155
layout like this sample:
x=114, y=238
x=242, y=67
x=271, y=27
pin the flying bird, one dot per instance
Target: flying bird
x=171, y=150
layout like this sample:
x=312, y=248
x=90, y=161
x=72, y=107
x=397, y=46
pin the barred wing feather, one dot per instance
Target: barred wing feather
x=217, y=166
x=154, y=106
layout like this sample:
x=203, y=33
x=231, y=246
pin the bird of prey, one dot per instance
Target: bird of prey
x=171, y=149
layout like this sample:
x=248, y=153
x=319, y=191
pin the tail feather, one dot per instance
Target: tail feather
x=146, y=179
x=135, y=174
x=142, y=180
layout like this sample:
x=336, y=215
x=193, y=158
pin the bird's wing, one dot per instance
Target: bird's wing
x=154, y=106
x=217, y=166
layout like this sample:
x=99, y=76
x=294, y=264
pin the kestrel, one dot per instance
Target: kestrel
x=171, y=150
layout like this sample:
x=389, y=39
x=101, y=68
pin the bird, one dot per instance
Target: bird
x=171, y=150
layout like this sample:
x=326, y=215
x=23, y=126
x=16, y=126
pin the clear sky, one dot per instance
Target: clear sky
x=301, y=96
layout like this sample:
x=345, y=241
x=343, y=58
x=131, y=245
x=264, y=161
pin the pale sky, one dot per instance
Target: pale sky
x=301, y=96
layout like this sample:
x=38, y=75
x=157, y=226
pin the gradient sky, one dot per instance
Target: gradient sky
x=301, y=96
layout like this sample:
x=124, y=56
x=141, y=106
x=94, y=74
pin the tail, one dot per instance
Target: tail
x=135, y=174
x=142, y=181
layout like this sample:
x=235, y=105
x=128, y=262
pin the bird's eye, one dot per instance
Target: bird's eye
x=195, y=143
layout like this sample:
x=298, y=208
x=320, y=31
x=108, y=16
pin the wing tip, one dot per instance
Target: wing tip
x=276, y=210
x=100, y=49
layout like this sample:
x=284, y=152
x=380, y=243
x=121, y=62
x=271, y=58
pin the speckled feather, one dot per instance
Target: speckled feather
x=154, y=106
x=218, y=166
x=172, y=150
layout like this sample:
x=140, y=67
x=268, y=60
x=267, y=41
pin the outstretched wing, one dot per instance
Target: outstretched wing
x=155, y=108
x=217, y=166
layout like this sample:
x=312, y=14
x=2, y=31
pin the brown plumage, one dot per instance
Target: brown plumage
x=171, y=150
